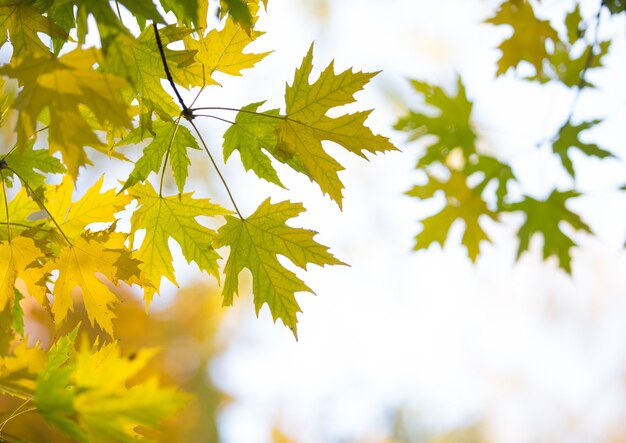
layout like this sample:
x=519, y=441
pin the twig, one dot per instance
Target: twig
x=185, y=112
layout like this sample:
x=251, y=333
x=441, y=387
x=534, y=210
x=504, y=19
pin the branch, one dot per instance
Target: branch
x=186, y=111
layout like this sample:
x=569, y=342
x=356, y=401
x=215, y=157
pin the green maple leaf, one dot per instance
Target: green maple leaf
x=139, y=61
x=22, y=23
x=167, y=137
x=60, y=86
x=528, y=41
x=172, y=217
x=462, y=203
x=492, y=169
x=249, y=135
x=449, y=119
x=569, y=137
x=255, y=242
x=32, y=164
x=544, y=217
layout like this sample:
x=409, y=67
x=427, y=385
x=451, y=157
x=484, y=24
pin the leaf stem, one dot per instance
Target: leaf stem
x=217, y=169
x=6, y=208
x=215, y=117
x=167, y=69
x=167, y=154
x=16, y=413
x=41, y=204
x=245, y=111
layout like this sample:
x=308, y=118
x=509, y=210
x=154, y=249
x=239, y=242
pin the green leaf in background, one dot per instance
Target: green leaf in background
x=462, y=203
x=569, y=137
x=545, y=217
x=447, y=117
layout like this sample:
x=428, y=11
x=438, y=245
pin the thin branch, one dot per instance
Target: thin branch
x=167, y=69
x=206, y=148
x=167, y=154
x=588, y=61
x=41, y=204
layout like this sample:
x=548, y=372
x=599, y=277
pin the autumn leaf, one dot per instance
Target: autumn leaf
x=223, y=51
x=172, y=217
x=60, y=85
x=545, y=217
x=87, y=393
x=79, y=266
x=95, y=206
x=23, y=23
x=462, y=203
x=21, y=258
x=448, y=117
x=18, y=370
x=255, y=243
x=107, y=409
x=569, y=137
x=169, y=138
x=528, y=40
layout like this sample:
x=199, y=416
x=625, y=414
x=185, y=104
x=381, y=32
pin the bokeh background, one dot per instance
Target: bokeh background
x=406, y=346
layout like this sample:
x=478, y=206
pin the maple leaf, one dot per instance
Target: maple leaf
x=79, y=265
x=223, y=51
x=94, y=206
x=528, y=41
x=255, y=243
x=19, y=210
x=544, y=217
x=189, y=12
x=243, y=12
x=107, y=409
x=18, y=371
x=139, y=61
x=167, y=137
x=23, y=23
x=462, y=202
x=249, y=134
x=448, y=119
x=61, y=85
x=172, y=217
x=300, y=133
x=491, y=169
x=86, y=393
x=21, y=258
x=569, y=137
x=32, y=164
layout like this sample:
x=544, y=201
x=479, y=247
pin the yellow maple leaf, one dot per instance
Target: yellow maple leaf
x=80, y=265
x=222, y=50
x=19, y=257
x=94, y=206
x=18, y=371
x=106, y=408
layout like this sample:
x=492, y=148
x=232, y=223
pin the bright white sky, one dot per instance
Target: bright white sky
x=534, y=354
x=531, y=353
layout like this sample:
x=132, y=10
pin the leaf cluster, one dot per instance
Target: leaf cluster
x=478, y=186
x=62, y=246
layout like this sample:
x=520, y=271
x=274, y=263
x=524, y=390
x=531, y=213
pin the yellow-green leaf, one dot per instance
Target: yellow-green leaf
x=255, y=243
x=172, y=217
